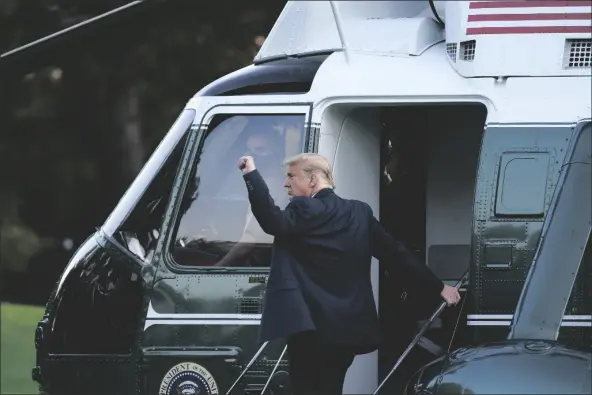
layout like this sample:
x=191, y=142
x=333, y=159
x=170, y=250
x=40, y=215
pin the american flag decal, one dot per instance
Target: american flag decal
x=528, y=16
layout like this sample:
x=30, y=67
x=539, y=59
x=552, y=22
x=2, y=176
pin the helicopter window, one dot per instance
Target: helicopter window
x=522, y=184
x=99, y=308
x=141, y=229
x=215, y=225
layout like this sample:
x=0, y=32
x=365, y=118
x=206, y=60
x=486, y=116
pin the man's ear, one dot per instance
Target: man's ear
x=313, y=180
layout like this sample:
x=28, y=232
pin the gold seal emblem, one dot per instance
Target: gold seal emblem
x=188, y=378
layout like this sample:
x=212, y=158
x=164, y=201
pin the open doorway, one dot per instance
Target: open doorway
x=429, y=161
x=416, y=166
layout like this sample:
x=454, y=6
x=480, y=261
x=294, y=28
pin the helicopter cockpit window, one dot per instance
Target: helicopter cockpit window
x=215, y=225
x=138, y=228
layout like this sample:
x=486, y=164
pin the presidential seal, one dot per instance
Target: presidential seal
x=188, y=378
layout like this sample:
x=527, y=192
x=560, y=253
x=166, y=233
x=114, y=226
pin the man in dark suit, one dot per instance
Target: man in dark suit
x=319, y=294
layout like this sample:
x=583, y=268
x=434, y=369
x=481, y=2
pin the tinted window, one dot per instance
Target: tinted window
x=149, y=194
x=522, y=184
x=215, y=224
x=98, y=306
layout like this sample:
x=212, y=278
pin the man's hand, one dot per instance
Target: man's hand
x=246, y=164
x=450, y=295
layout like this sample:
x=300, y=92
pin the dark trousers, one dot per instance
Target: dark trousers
x=316, y=368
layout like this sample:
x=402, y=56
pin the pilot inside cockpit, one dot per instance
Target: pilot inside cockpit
x=268, y=148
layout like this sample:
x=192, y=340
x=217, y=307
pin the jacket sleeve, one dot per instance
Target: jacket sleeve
x=385, y=247
x=301, y=214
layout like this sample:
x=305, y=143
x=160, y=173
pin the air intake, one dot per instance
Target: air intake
x=468, y=49
x=578, y=53
x=451, y=51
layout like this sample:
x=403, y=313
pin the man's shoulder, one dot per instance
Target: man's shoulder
x=305, y=201
x=328, y=202
x=359, y=204
x=359, y=208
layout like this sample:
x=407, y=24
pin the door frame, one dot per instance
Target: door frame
x=165, y=266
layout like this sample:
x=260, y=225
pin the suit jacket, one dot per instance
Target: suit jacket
x=319, y=277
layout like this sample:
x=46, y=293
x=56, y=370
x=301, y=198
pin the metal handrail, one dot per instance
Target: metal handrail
x=419, y=335
x=251, y=362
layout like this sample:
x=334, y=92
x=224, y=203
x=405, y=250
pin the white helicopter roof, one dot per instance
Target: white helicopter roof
x=383, y=49
x=483, y=38
x=308, y=27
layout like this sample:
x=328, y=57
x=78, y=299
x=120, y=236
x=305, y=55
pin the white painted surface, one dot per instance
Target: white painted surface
x=400, y=28
x=352, y=138
x=309, y=26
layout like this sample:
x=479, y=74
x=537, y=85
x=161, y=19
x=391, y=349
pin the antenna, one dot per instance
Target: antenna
x=340, y=30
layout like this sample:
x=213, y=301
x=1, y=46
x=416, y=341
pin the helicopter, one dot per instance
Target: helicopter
x=476, y=114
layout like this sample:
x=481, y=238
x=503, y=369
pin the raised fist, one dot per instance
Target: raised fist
x=246, y=164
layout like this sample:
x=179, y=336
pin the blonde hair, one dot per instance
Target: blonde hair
x=313, y=164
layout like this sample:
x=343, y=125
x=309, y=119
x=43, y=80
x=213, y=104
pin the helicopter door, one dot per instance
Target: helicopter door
x=205, y=305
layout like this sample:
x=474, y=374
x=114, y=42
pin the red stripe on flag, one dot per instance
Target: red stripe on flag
x=528, y=3
x=530, y=17
x=528, y=29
